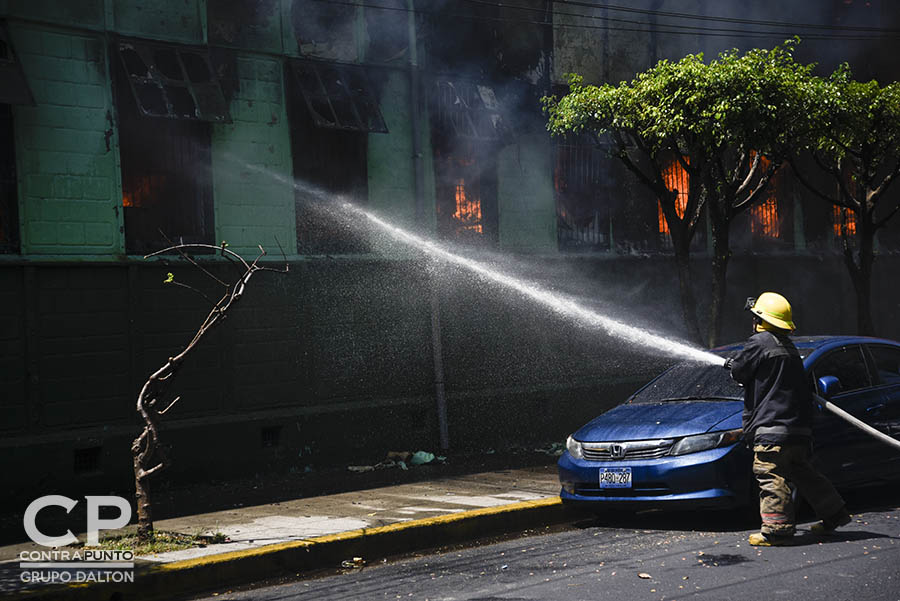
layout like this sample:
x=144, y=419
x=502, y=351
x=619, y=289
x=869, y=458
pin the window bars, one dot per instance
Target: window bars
x=174, y=82
x=338, y=96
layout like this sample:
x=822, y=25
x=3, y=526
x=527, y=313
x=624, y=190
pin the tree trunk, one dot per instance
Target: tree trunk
x=721, y=251
x=142, y=498
x=685, y=283
x=861, y=274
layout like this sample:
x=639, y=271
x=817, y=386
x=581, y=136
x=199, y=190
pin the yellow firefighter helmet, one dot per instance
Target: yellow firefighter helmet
x=774, y=309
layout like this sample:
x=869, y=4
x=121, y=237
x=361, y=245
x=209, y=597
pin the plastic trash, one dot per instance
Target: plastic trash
x=421, y=458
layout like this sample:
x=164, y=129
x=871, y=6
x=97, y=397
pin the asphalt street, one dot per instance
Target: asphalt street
x=656, y=556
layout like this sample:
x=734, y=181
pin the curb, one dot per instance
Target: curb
x=181, y=578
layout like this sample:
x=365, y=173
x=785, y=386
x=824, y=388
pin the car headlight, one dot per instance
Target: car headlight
x=574, y=448
x=704, y=442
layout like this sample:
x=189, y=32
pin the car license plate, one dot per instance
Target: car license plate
x=615, y=477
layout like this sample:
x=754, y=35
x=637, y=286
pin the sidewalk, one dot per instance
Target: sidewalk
x=287, y=538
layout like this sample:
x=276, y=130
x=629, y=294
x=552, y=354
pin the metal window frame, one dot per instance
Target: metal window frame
x=364, y=111
x=463, y=108
x=209, y=100
x=14, y=88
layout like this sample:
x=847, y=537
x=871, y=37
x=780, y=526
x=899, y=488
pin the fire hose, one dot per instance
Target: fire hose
x=857, y=422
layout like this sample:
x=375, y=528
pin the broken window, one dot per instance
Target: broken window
x=465, y=129
x=166, y=170
x=338, y=96
x=467, y=110
x=581, y=180
x=13, y=85
x=9, y=218
x=330, y=163
x=173, y=81
x=466, y=188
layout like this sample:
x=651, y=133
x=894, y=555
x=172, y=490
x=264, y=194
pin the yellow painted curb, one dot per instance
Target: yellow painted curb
x=361, y=533
x=178, y=578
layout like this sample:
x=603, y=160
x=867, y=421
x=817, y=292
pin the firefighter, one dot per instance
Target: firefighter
x=777, y=421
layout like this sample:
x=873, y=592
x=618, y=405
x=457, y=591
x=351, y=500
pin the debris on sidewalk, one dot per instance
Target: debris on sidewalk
x=421, y=458
x=356, y=562
x=553, y=450
x=401, y=459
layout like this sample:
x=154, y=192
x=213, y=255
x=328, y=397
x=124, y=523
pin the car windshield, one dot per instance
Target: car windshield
x=690, y=381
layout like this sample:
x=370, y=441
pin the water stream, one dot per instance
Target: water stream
x=553, y=301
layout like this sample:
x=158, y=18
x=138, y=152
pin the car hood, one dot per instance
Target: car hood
x=670, y=419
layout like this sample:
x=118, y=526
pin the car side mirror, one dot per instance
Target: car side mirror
x=829, y=386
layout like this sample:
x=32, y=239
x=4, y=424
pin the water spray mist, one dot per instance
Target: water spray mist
x=551, y=300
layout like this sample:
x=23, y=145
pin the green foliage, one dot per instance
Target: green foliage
x=169, y=278
x=853, y=119
x=159, y=542
x=747, y=101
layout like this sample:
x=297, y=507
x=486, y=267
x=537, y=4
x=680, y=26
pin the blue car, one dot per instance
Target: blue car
x=677, y=442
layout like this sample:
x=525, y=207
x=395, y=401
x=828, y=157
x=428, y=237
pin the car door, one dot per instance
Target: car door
x=884, y=360
x=843, y=452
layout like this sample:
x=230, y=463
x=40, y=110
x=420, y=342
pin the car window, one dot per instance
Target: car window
x=887, y=363
x=690, y=381
x=847, y=365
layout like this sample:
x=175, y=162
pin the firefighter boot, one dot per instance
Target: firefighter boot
x=758, y=539
x=829, y=525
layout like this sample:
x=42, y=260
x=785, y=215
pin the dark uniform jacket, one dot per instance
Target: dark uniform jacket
x=777, y=401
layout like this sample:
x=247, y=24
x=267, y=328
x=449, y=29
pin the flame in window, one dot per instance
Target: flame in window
x=764, y=218
x=764, y=221
x=468, y=210
x=844, y=221
x=140, y=193
x=676, y=179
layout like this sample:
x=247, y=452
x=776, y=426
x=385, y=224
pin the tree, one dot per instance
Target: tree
x=149, y=455
x=854, y=138
x=729, y=124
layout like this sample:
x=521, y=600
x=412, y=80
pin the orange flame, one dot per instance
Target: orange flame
x=676, y=179
x=468, y=210
x=764, y=219
x=142, y=190
x=844, y=221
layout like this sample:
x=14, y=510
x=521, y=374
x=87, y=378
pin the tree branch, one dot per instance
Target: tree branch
x=808, y=185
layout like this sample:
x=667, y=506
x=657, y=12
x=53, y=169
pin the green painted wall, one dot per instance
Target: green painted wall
x=182, y=21
x=526, y=205
x=391, y=180
x=69, y=181
x=83, y=13
x=252, y=170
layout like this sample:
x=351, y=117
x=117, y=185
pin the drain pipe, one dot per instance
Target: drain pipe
x=419, y=178
x=857, y=422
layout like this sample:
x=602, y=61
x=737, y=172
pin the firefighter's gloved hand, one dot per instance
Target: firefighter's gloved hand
x=728, y=363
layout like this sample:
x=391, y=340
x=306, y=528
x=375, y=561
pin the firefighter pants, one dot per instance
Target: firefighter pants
x=777, y=469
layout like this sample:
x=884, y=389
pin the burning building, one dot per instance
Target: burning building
x=125, y=124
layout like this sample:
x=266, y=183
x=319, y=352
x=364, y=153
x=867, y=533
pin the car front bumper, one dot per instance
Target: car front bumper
x=718, y=478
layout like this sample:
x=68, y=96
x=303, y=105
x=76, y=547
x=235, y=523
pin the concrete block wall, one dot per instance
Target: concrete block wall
x=526, y=201
x=392, y=179
x=182, y=21
x=13, y=374
x=69, y=179
x=252, y=169
x=88, y=14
